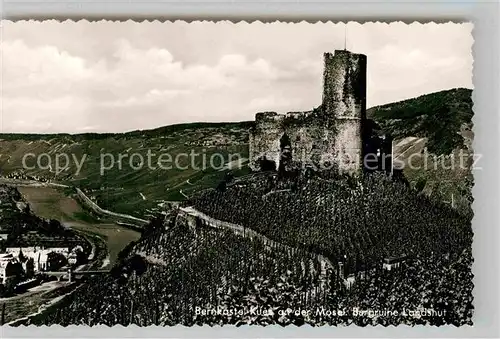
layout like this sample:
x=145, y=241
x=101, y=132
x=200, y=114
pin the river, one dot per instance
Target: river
x=53, y=203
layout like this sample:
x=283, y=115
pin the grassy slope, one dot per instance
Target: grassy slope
x=51, y=203
x=179, y=269
x=438, y=117
x=172, y=269
x=120, y=189
x=442, y=122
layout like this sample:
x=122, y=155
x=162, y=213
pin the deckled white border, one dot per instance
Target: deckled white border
x=486, y=127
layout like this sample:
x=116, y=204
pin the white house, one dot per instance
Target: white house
x=38, y=254
x=41, y=260
x=6, y=261
x=27, y=251
x=15, y=250
x=72, y=258
x=28, y=267
x=349, y=281
x=61, y=250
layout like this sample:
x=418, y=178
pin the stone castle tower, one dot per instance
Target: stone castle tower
x=330, y=136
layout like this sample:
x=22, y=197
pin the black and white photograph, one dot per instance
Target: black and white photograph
x=227, y=174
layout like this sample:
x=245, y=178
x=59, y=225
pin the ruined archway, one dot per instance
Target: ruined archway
x=285, y=153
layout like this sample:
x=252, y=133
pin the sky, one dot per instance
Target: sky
x=77, y=77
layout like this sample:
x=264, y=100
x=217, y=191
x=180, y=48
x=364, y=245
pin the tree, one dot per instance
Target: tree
x=54, y=226
x=29, y=268
x=55, y=261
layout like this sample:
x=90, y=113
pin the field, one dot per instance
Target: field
x=52, y=203
x=179, y=270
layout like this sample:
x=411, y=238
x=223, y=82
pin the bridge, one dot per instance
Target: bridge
x=71, y=273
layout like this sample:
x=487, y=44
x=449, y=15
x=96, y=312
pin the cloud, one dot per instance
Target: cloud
x=71, y=77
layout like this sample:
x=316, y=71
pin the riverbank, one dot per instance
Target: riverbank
x=52, y=203
x=108, y=240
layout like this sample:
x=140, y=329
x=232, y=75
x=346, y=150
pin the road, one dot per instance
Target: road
x=100, y=210
x=29, y=183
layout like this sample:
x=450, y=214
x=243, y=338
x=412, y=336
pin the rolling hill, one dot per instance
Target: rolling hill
x=440, y=122
x=434, y=132
x=175, y=266
x=134, y=185
x=174, y=270
x=439, y=117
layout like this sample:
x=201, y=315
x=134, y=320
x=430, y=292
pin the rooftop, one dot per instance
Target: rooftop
x=6, y=256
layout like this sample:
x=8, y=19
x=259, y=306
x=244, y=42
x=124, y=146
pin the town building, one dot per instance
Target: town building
x=7, y=267
x=39, y=255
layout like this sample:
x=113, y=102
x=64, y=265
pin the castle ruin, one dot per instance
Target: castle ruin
x=333, y=135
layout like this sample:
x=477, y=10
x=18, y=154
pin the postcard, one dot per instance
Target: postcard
x=220, y=173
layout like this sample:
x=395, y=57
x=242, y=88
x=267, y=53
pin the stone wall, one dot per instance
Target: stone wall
x=196, y=218
x=329, y=134
x=344, y=100
x=344, y=85
x=264, y=138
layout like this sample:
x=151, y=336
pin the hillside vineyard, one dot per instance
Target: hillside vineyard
x=336, y=135
x=193, y=273
x=336, y=215
x=345, y=221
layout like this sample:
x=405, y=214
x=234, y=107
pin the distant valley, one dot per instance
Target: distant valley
x=440, y=121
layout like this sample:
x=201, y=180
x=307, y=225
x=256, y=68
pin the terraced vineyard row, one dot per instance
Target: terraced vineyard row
x=178, y=275
x=357, y=222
